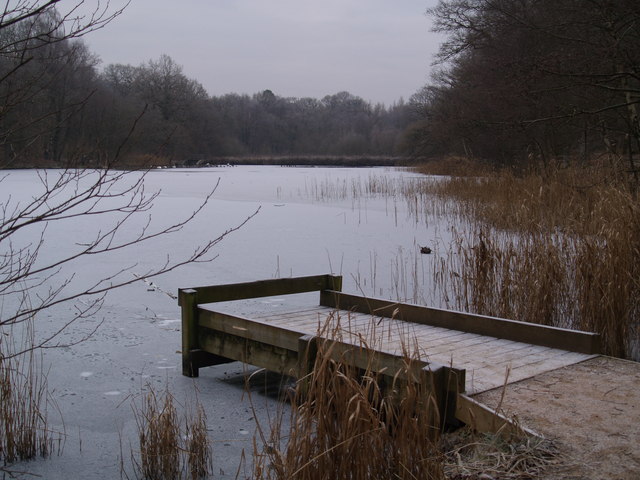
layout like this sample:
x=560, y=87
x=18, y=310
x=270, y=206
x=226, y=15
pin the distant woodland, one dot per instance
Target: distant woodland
x=59, y=109
x=516, y=81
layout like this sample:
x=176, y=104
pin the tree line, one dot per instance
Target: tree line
x=532, y=80
x=57, y=108
x=53, y=107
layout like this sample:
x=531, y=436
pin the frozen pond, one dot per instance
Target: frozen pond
x=309, y=221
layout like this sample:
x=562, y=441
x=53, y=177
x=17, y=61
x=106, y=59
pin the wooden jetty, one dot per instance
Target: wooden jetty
x=460, y=354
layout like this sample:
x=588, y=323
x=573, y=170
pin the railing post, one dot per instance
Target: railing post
x=328, y=295
x=335, y=282
x=188, y=300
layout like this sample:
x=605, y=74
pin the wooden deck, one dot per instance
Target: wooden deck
x=459, y=353
x=487, y=360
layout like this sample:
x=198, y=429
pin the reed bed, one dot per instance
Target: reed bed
x=560, y=248
x=558, y=245
x=24, y=399
x=573, y=199
x=23, y=418
x=301, y=160
x=406, y=199
x=170, y=448
x=348, y=423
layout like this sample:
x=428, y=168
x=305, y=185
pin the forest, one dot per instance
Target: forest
x=59, y=108
x=515, y=82
x=524, y=81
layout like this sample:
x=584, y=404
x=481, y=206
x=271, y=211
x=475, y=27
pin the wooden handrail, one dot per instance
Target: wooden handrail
x=261, y=288
x=553, y=337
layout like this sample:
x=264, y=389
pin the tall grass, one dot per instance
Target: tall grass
x=168, y=450
x=346, y=424
x=24, y=432
x=24, y=398
x=558, y=247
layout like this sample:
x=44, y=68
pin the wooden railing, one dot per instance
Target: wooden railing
x=193, y=355
x=544, y=335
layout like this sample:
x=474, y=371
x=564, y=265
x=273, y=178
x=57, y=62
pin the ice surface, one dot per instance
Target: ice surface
x=308, y=223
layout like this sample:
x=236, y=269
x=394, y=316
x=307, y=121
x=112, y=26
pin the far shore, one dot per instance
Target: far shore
x=301, y=160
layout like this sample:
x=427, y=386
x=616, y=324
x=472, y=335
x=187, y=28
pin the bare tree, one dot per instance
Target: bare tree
x=41, y=59
x=30, y=280
x=541, y=79
x=35, y=282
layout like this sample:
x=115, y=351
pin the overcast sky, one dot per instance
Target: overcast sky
x=380, y=50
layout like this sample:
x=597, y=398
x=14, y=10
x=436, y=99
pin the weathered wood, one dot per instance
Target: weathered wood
x=264, y=288
x=202, y=358
x=250, y=329
x=485, y=361
x=380, y=362
x=249, y=351
x=448, y=342
x=289, y=339
x=189, y=304
x=307, y=353
x=439, y=384
x=554, y=337
x=499, y=349
x=304, y=313
x=483, y=419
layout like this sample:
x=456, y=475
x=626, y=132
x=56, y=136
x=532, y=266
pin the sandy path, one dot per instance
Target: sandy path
x=591, y=410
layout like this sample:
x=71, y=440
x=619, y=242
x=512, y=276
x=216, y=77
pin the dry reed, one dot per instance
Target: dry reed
x=198, y=445
x=559, y=248
x=470, y=455
x=351, y=423
x=559, y=245
x=166, y=450
x=24, y=398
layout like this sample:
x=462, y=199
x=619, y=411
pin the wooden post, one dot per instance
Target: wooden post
x=188, y=300
x=307, y=352
x=335, y=282
x=445, y=384
x=333, y=287
x=453, y=384
x=430, y=379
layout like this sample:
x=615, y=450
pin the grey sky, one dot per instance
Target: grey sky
x=380, y=50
